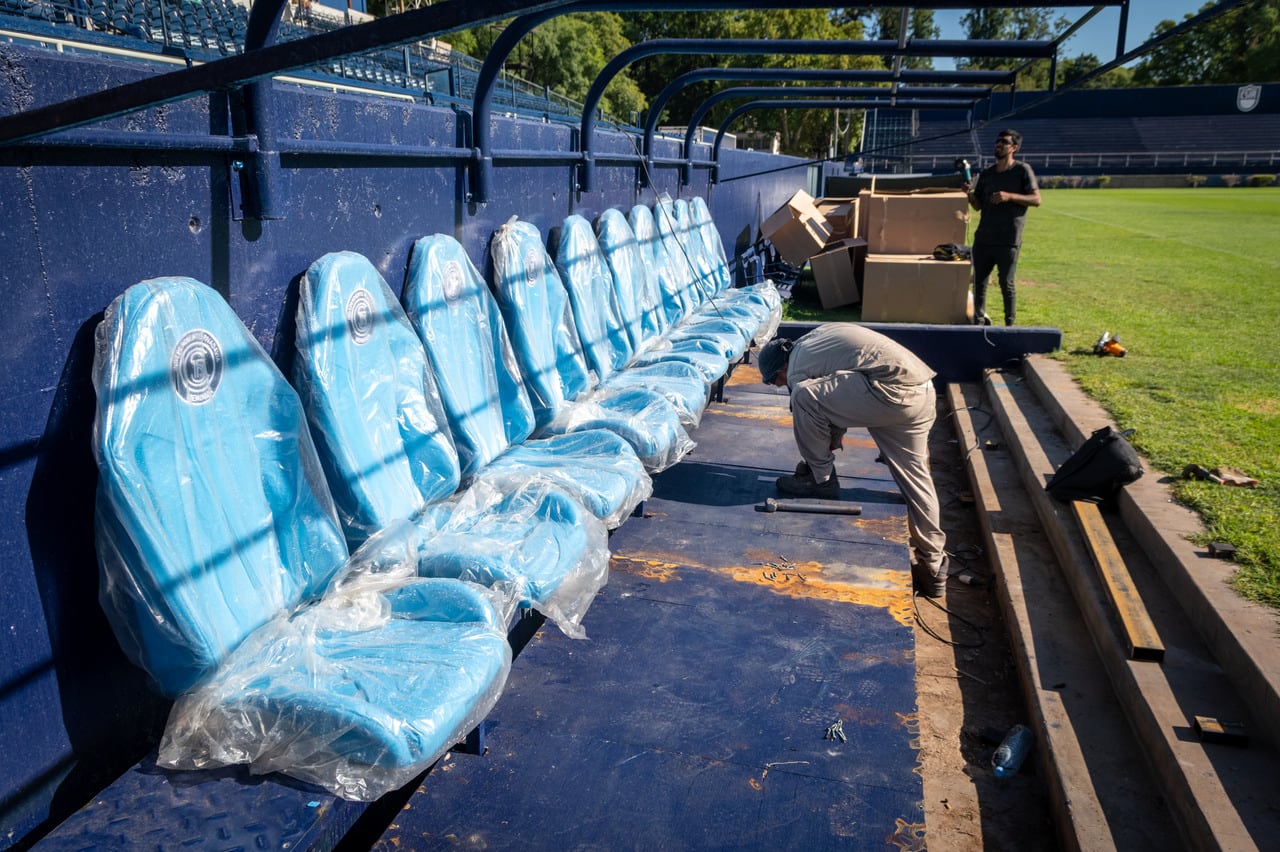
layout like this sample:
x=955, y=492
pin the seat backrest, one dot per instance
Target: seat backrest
x=586, y=276
x=714, y=246
x=376, y=416
x=639, y=304
x=688, y=257
x=539, y=319
x=213, y=515
x=461, y=329
x=654, y=251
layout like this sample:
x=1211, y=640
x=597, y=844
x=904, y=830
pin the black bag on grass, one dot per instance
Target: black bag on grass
x=1104, y=464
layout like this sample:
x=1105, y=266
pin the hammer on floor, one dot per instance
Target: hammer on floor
x=815, y=507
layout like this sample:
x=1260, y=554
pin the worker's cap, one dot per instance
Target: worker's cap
x=772, y=358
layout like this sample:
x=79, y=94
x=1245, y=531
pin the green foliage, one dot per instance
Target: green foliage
x=1103, y=181
x=884, y=22
x=1262, y=180
x=1025, y=23
x=565, y=54
x=1185, y=278
x=1196, y=180
x=1072, y=68
x=1238, y=46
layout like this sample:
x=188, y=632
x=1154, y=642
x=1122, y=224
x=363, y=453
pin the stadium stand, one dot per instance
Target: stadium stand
x=1159, y=130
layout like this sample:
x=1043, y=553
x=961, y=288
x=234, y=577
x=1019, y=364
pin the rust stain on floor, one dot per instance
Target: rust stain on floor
x=885, y=588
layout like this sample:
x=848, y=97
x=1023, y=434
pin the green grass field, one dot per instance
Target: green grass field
x=1190, y=282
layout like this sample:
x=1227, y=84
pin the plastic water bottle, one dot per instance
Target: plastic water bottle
x=1012, y=751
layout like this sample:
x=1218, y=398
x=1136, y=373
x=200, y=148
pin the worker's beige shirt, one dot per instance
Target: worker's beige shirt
x=848, y=346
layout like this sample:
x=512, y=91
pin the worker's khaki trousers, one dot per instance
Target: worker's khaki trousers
x=899, y=419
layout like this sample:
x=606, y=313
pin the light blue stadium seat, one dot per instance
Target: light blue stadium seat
x=602, y=333
x=694, y=274
x=674, y=285
x=490, y=415
x=764, y=296
x=383, y=438
x=564, y=392
x=640, y=304
x=226, y=577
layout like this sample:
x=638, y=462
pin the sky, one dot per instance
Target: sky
x=1099, y=35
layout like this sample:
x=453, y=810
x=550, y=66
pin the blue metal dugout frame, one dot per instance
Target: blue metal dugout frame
x=961, y=96
x=745, y=75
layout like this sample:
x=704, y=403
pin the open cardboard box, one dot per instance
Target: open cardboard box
x=841, y=215
x=797, y=229
x=837, y=270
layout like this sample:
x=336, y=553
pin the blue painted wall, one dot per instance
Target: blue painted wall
x=77, y=227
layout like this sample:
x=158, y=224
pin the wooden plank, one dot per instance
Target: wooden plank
x=1139, y=632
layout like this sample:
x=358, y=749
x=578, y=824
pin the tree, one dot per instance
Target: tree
x=885, y=23
x=1016, y=24
x=1074, y=67
x=565, y=54
x=1239, y=46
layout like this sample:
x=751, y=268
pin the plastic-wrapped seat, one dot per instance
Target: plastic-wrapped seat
x=601, y=331
x=694, y=275
x=764, y=298
x=490, y=415
x=678, y=308
x=640, y=304
x=383, y=439
x=564, y=392
x=226, y=577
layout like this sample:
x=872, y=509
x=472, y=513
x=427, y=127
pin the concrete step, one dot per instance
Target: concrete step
x=1243, y=637
x=1099, y=787
x=1217, y=795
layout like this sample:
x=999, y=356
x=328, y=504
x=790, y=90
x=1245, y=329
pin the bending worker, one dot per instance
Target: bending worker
x=843, y=375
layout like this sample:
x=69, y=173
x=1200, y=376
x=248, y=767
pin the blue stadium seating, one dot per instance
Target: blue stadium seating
x=563, y=390
x=490, y=415
x=640, y=304
x=383, y=439
x=603, y=334
x=225, y=575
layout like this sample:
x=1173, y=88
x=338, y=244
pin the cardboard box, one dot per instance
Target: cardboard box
x=841, y=215
x=915, y=222
x=837, y=270
x=796, y=229
x=915, y=288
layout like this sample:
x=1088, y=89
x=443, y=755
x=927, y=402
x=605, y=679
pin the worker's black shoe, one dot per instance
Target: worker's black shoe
x=931, y=585
x=802, y=469
x=804, y=486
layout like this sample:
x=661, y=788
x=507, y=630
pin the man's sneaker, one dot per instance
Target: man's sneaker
x=804, y=486
x=931, y=585
x=982, y=319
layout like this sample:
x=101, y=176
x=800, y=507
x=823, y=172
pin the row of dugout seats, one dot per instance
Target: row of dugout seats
x=323, y=572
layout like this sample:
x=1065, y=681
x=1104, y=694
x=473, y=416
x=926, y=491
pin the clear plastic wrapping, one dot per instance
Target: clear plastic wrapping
x=481, y=386
x=382, y=433
x=226, y=576
x=359, y=692
x=540, y=321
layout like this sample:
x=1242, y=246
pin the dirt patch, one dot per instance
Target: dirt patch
x=968, y=691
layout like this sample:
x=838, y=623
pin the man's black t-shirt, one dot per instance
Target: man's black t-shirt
x=1001, y=224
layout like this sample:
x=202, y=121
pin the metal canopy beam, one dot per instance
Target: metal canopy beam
x=917, y=103
x=770, y=47
x=482, y=160
x=905, y=94
x=743, y=75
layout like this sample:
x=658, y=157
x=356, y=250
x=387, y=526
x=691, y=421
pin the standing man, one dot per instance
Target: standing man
x=1003, y=192
x=843, y=375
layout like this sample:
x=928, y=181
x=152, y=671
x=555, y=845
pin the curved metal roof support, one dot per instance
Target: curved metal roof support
x=968, y=95
x=769, y=47
x=916, y=103
x=742, y=75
